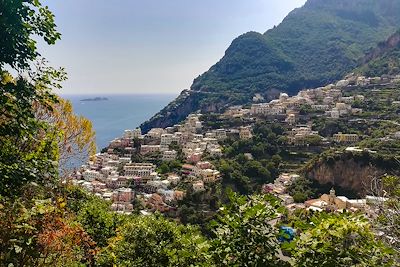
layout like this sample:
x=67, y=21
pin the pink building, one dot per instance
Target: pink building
x=204, y=165
x=194, y=158
x=125, y=195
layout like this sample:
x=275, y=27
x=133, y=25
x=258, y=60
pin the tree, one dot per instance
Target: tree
x=164, y=168
x=300, y=197
x=42, y=233
x=20, y=21
x=76, y=140
x=301, y=189
x=28, y=149
x=97, y=220
x=155, y=241
x=387, y=189
x=37, y=227
x=340, y=240
x=313, y=140
x=255, y=170
x=389, y=220
x=244, y=235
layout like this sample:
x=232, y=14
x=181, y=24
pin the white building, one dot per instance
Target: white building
x=342, y=83
x=215, y=152
x=143, y=170
x=335, y=113
x=260, y=109
x=174, y=179
x=91, y=175
x=320, y=107
x=166, y=139
x=155, y=133
x=209, y=175
x=345, y=138
x=245, y=133
x=198, y=186
x=133, y=134
x=169, y=155
x=291, y=119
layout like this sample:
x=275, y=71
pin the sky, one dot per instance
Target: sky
x=150, y=46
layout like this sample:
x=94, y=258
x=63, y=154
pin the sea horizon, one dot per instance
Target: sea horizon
x=120, y=112
x=116, y=94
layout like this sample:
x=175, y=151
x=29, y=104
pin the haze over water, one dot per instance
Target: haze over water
x=110, y=118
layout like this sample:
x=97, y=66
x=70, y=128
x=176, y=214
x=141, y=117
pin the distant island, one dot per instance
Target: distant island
x=95, y=99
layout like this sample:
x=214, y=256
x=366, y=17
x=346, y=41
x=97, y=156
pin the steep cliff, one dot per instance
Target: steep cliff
x=350, y=171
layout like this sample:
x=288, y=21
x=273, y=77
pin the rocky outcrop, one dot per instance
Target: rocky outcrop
x=345, y=174
x=351, y=171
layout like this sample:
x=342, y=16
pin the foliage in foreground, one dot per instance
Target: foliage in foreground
x=155, y=241
x=340, y=240
x=245, y=234
x=41, y=232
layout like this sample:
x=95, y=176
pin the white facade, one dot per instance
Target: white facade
x=166, y=139
x=133, y=134
x=198, y=186
x=245, y=133
x=143, y=170
x=91, y=175
x=169, y=155
x=155, y=133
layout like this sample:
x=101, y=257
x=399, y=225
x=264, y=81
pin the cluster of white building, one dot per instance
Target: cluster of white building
x=298, y=135
x=201, y=173
x=189, y=137
x=112, y=176
x=333, y=203
x=328, y=99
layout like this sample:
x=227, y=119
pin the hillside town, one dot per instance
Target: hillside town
x=284, y=152
x=129, y=171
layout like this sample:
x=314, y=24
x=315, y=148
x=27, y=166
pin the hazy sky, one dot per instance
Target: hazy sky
x=150, y=46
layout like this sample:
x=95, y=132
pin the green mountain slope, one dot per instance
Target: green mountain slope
x=385, y=59
x=314, y=45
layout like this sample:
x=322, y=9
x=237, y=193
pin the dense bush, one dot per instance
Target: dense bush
x=340, y=240
x=155, y=241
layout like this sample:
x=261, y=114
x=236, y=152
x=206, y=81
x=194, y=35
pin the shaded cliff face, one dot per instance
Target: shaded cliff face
x=349, y=171
x=347, y=174
x=313, y=46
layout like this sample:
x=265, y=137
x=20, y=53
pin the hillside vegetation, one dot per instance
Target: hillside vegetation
x=385, y=59
x=314, y=45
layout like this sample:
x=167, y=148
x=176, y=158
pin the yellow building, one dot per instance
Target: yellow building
x=345, y=138
x=245, y=133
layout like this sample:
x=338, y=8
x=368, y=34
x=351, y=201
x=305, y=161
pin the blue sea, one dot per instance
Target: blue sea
x=120, y=112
